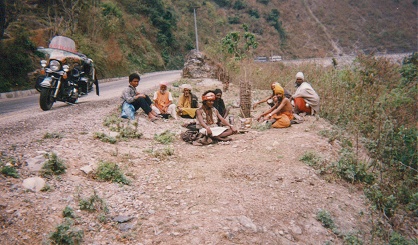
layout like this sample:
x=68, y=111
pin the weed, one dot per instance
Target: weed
x=46, y=188
x=129, y=132
x=398, y=239
x=113, y=119
x=413, y=204
x=311, y=159
x=104, y=138
x=93, y=203
x=381, y=202
x=315, y=161
x=9, y=171
x=165, y=137
x=352, y=239
x=53, y=166
x=115, y=153
x=351, y=170
x=161, y=153
x=65, y=234
x=53, y=136
x=336, y=135
x=68, y=212
x=325, y=218
x=11, y=160
x=102, y=218
x=261, y=126
x=109, y=171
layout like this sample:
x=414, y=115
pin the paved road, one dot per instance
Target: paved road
x=107, y=90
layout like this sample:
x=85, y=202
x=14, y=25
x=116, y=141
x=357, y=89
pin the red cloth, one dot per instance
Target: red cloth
x=300, y=105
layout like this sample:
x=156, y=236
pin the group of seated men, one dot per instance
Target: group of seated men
x=283, y=105
x=210, y=116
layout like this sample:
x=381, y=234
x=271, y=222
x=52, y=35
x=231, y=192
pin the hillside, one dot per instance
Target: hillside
x=127, y=35
x=293, y=29
x=252, y=190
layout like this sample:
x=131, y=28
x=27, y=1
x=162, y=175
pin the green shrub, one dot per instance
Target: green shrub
x=311, y=159
x=398, y=239
x=9, y=171
x=130, y=132
x=325, y=219
x=160, y=153
x=254, y=13
x=113, y=119
x=125, y=129
x=265, y=2
x=68, y=212
x=19, y=54
x=413, y=204
x=352, y=239
x=384, y=203
x=53, y=166
x=234, y=19
x=65, y=234
x=165, y=137
x=104, y=138
x=262, y=126
x=53, y=135
x=223, y=3
x=93, y=203
x=239, y=4
x=351, y=170
x=109, y=171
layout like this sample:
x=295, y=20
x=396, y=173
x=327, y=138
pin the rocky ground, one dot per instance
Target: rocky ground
x=252, y=190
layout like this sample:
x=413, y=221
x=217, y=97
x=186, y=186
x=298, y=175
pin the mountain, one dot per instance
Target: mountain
x=142, y=35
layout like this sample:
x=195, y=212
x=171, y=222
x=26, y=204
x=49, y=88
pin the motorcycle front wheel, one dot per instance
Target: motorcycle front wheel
x=46, y=100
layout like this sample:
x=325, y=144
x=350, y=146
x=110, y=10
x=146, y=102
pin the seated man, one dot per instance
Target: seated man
x=132, y=99
x=280, y=114
x=219, y=104
x=163, y=102
x=269, y=99
x=188, y=103
x=207, y=117
x=305, y=98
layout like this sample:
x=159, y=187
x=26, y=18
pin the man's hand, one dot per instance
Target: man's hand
x=209, y=131
x=267, y=117
x=234, y=130
x=139, y=95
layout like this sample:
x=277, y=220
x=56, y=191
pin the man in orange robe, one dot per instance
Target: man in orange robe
x=163, y=101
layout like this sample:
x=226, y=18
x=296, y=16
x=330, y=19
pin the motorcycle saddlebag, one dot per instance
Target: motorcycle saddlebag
x=39, y=79
x=83, y=85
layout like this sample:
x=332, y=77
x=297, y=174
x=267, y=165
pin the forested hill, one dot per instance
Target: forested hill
x=145, y=35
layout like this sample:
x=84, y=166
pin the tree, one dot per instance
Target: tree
x=239, y=45
x=232, y=43
x=2, y=17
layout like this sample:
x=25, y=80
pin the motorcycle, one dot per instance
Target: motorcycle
x=65, y=74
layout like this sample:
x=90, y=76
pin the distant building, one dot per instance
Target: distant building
x=261, y=59
x=275, y=58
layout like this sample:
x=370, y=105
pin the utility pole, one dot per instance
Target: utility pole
x=195, y=28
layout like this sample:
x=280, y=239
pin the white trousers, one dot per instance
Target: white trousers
x=171, y=110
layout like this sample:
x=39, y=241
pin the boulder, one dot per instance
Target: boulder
x=34, y=184
x=199, y=65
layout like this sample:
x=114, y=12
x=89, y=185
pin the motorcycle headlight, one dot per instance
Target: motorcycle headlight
x=43, y=63
x=66, y=68
x=54, y=65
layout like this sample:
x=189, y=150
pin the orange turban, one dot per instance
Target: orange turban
x=209, y=96
x=278, y=89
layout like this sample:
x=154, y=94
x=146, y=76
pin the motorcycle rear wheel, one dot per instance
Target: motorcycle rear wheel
x=46, y=100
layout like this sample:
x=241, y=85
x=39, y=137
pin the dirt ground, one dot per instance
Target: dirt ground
x=252, y=190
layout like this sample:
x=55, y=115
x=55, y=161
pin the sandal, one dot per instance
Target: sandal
x=154, y=119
